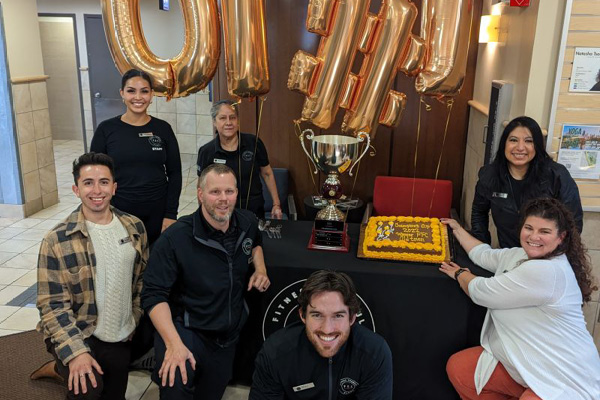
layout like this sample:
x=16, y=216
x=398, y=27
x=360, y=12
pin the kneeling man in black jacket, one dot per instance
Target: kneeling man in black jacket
x=194, y=290
x=329, y=356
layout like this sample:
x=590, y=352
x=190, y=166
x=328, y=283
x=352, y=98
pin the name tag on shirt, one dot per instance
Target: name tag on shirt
x=219, y=161
x=500, y=195
x=145, y=134
x=303, y=387
x=125, y=240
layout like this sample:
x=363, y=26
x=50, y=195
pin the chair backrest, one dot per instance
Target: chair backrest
x=282, y=182
x=393, y=195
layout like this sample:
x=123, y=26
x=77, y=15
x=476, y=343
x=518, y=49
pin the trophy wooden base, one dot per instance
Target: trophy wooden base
x=330, y=240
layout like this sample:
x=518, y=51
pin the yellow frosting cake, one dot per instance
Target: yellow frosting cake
x=416, y=239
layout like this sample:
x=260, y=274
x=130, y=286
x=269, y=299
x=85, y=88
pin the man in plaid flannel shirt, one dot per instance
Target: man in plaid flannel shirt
x=74, y=303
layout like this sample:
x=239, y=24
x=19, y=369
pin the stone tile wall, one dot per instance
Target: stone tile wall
x=189, y=116
x=36, y=156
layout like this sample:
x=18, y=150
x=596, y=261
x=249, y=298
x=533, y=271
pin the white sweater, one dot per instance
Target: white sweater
x=115, y=257
x=535, y=325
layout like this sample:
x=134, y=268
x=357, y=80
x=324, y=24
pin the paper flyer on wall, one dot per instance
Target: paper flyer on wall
x=585, y=75
x=579, y=150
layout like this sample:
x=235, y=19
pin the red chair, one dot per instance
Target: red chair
x=394, y=195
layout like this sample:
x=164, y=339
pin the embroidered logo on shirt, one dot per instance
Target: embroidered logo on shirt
x=155, y=142
x=347, y=385
x=247, y=155
x=300, y=388
x=247, y=246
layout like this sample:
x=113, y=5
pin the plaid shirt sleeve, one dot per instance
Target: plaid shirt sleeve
x=139, y=271
x=54, y=303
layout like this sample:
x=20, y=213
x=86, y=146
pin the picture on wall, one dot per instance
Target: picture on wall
x=579, y=150
x=585, y=75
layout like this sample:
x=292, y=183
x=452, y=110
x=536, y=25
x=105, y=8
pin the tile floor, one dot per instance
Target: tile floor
x=19, y=245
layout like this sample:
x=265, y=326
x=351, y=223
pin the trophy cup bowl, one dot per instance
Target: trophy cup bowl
x=333, y=155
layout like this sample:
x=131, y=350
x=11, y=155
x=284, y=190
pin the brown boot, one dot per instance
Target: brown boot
x=47, y=371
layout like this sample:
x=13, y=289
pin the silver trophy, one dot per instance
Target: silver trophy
x=333, y=155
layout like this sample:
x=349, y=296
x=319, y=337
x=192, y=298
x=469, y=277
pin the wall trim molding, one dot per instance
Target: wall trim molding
x=29, y=79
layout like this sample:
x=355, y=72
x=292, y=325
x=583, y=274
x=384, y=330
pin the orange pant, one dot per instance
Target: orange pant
x=461, y=372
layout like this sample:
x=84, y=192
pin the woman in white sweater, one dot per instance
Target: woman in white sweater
x=534, y=342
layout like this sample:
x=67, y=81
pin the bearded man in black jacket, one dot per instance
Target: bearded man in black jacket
x=194, y=290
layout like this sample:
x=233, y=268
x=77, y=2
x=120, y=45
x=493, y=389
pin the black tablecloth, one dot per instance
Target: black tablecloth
x=423, y=315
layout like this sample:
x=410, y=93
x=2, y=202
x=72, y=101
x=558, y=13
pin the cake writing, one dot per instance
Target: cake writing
x=416, y=233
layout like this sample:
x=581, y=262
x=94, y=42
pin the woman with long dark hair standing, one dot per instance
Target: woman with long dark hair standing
x=146, y=156
x=522, y=170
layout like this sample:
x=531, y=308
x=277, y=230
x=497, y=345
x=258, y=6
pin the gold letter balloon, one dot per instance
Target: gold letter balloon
x=245, y=36
x=194, y=67
x=438, y=59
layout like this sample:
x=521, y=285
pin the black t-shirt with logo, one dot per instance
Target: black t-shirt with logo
x=213, y=153
x=146, y=158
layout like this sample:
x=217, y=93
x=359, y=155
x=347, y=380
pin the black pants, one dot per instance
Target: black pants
x=151, y=213
x=113, y=359
x=213, y=368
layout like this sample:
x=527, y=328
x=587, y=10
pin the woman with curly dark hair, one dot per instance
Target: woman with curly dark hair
x=522, y=170
x=534, y=341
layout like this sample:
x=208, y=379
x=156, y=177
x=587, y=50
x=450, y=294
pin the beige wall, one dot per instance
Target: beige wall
x=60, y=63
x=22, y=38
x=30, y=108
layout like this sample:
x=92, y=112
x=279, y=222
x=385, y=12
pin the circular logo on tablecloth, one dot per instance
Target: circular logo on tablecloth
x=283, y=310
x=247, y=155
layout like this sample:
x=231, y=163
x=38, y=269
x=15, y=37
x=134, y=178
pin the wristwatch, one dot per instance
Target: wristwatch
x=458, y=272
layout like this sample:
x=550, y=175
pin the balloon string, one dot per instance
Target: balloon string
x=449, y=105
x=260, y=110
x=239, y=201
x=310, y=171
x=427, y=108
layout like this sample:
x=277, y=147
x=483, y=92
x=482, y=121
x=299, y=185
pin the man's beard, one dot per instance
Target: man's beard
x=219, y=218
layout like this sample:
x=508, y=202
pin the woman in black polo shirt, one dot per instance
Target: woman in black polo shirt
x=522, y=170
x=146, y=156
x=243, y=153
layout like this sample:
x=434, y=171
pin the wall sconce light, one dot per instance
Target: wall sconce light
x=489, y=28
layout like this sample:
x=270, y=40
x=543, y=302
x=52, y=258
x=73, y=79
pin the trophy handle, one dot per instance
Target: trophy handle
x=309, y=136
x=361, y=138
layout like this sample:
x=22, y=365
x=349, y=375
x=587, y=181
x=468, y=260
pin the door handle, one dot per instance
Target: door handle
x=97, y=95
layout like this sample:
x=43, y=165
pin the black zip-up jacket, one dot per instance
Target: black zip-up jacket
x=289, y=368
x=194, y=274
x=494, y=191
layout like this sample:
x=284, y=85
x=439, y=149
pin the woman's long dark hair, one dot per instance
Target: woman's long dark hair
x=537, y=165
x=555, y=211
